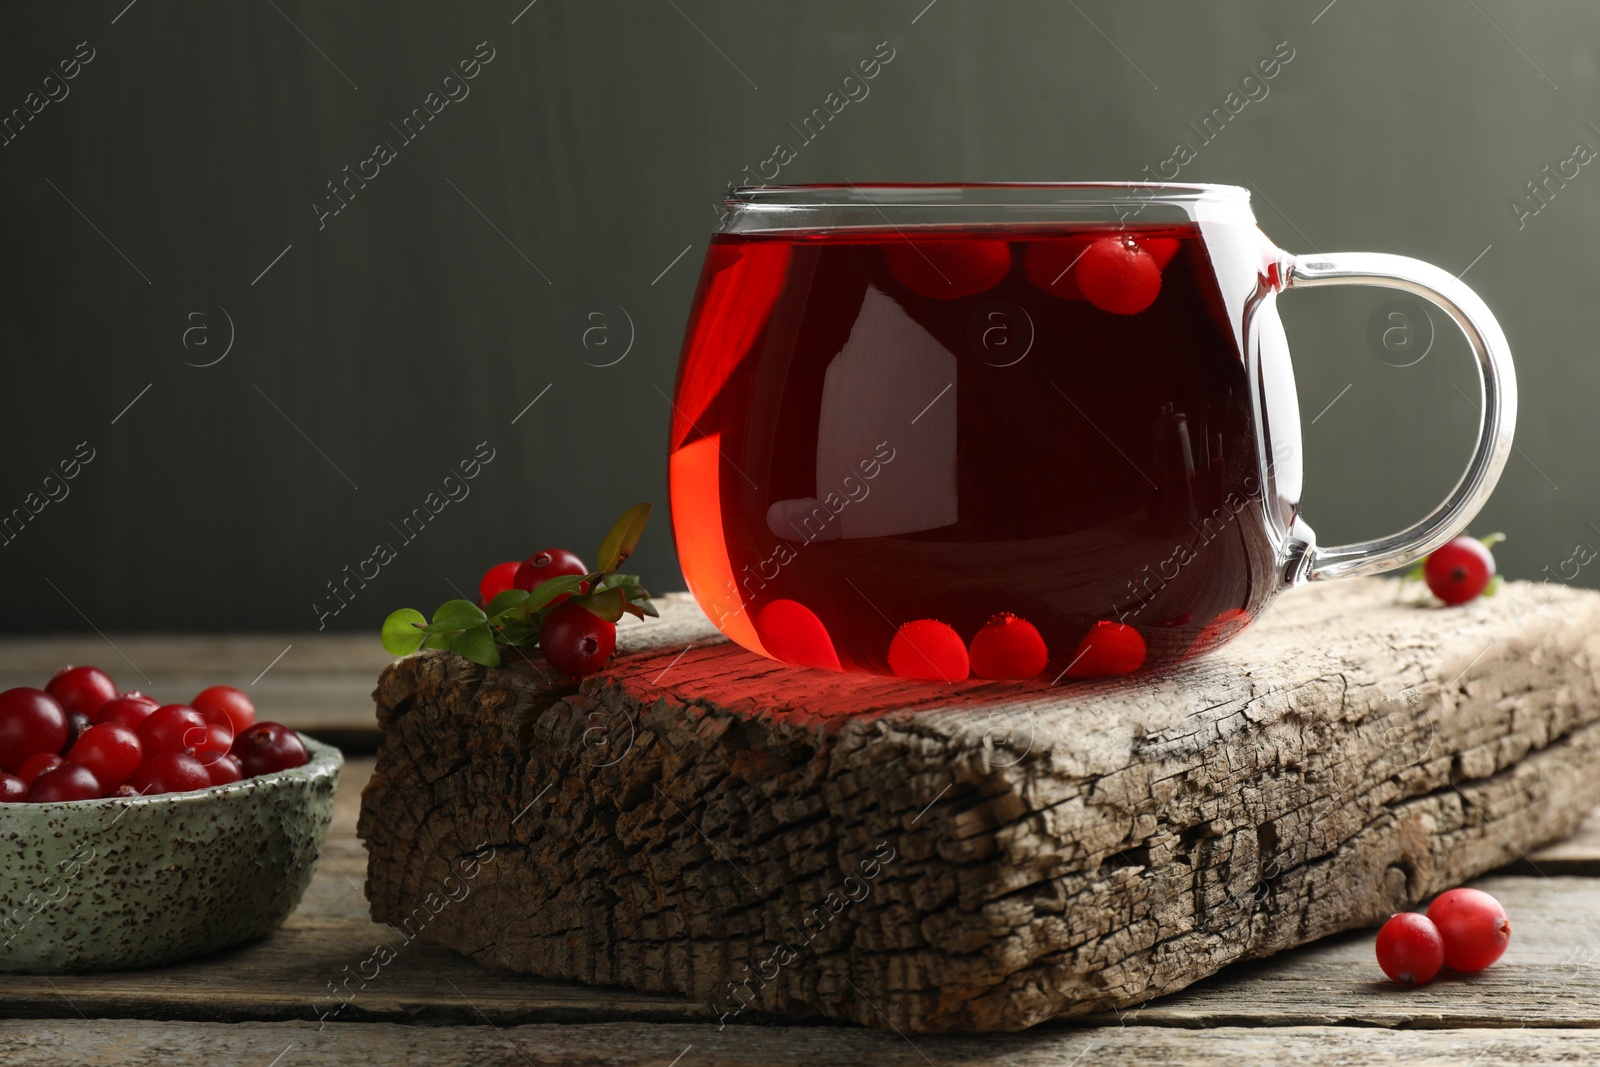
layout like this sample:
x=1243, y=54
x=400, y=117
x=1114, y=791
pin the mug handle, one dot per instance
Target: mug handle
x=1497, y=418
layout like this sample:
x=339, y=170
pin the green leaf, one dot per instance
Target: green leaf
x=1493, y=587
x=516, y=632
x=1491, y=540
x=456, y=615
x=640, y=608
x=440, y=641
x=504, y=602
x=549, y=589
x=608, y=605
x=618, y=581
x=400, y=634
x=623, y=537
x=476, y=644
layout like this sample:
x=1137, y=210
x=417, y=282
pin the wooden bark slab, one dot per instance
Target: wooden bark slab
x=981, y=856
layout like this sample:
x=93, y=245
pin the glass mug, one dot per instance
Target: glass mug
x=1014, y=430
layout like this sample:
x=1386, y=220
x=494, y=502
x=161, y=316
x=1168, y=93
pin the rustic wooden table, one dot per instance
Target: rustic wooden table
x=296, y=998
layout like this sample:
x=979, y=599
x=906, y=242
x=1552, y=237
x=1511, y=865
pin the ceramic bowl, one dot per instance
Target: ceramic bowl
x=133, y=882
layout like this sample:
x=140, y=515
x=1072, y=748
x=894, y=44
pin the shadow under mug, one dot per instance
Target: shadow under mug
x=1014, y=430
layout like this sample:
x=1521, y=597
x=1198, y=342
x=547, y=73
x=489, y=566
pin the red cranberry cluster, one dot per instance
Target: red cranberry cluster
x=1118, y=272
x=1465, y=930
x=575, y=640
x=1008, y=647
x=78, y=739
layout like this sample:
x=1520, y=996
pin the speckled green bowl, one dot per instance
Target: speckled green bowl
x=119, y=883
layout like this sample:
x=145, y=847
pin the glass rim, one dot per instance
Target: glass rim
x=977, y=194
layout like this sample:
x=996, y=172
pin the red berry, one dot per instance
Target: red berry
x=930, y=649
x=551, y=563
x=77, y=723
x=225, y=770
x=1008, y=647
x=227, y=705
x=85, y=689
x=30, y=722
x=1108, y=648
x=37, y=764
x=946, y=270
x=575, y=640
x=12, y=789
x=111, y=751
x=497, y=580
x=66, y=782
x=217, y=744
x=1474, y=928
x=1161, y=249
x=267, y=747
x=1218, y=632
x=130, y=709
x=1410, y=950
x=1049, y=265
x=791, y=632
x=1118, y=276
x=1459, y=571
x=173, y=728
x=168, y=772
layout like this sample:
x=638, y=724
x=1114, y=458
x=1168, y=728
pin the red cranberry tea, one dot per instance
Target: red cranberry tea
x=1002, y=452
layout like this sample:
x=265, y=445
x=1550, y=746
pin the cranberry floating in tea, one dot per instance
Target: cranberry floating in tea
x=1007, y=431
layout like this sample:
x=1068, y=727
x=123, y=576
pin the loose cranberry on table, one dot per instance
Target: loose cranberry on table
x=1008, y=647
x=551, y=563
x=1410, y=949
x=224, y=703
x=130, y=709
x=1459, y=571
x=85, y=689
x=31, y=721
x=66, y=782
x=169, y=772
x=267, y=747
x=1473, y=926
x=497, y=580
x=111, y=751
x=575, y=640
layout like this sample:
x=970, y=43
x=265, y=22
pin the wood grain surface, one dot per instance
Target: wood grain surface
x=701, y=821
x=251, y=1004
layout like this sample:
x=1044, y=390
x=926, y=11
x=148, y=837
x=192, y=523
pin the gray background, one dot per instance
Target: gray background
x=378, y=351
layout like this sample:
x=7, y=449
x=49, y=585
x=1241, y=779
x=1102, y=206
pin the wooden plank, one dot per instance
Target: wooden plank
x=1578, y=854
x=1549, y=976
x=323, y=686
x=1546, y=979
x=311, y=968
x=696, y=811
x=103, y=1043
x=317, y=682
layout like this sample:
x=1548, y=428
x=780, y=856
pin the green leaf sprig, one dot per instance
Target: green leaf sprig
x=512, y=618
